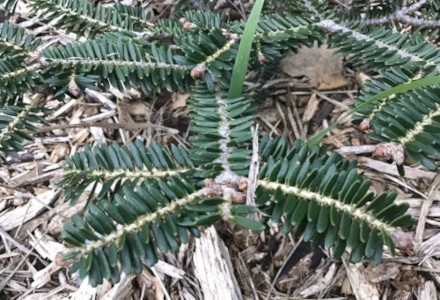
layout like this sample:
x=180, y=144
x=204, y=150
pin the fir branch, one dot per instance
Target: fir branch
x=279, y=34
x=19, y=72
x=228, y=122
x=95, y=16
x=12, y=135
x=416, y=21
x=420, y=127
x=384, y=103
x=402, y=15
x=136, y=226
x=332, y=26
x=117, y=63
x=200, y=68
x=4, y=44
x=356, y=213
x=6, y=132
x=110, y=164
x=16, y=79
x=426, y=60
x=133, y=13
x=16, y=43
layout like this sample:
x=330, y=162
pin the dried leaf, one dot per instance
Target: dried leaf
x=319, y=64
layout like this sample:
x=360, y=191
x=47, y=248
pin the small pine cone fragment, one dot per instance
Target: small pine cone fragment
x=261, y=58
x=365, y=125
x=37, y=62
x=74, y=88
x=231, y=36
x=208, y=181
x=392, y=151
x=403, y=241
x=32, y=60
x=242, y=184
x=238, y=197
x=60, y=261
x=189, y=26
x=214, y=190
x=198, y=71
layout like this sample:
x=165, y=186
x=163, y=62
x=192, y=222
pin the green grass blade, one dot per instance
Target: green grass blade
x=395, y=90
x=244, y=50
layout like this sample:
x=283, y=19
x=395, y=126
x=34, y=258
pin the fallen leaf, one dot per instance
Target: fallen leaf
x=319, y=64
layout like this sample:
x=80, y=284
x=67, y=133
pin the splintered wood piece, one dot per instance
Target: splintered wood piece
x=213, y=268
x=361, y=287
x=14, y=218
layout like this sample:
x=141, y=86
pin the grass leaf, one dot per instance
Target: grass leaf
x=244, y=50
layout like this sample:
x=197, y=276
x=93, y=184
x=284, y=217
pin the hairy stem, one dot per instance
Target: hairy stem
x=126, y=174
x=224, y=131
x=120, y=63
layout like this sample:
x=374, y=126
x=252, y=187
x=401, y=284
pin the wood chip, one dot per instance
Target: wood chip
x=312, y=106
x=427, y=291
x=14, y=218
x=361, y=287
x=213, y=268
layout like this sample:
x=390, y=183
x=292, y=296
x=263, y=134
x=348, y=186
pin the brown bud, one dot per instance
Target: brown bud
x=365, y=125
x=232, y=36
x=238, y=197
x=381, y=151
x=198, y=71
x=36, y=62
x=74, y=88
x=59, y=261
x=208, y=181
x=32, y=59
x=189, y=26
x=391, y=150
x=242, y=184
x=403, y=241
x=214, y=190
x=261, y=58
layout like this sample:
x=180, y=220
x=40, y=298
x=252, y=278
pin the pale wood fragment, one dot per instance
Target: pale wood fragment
x=213, y=268
x=361, y=287
x=14, y=218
